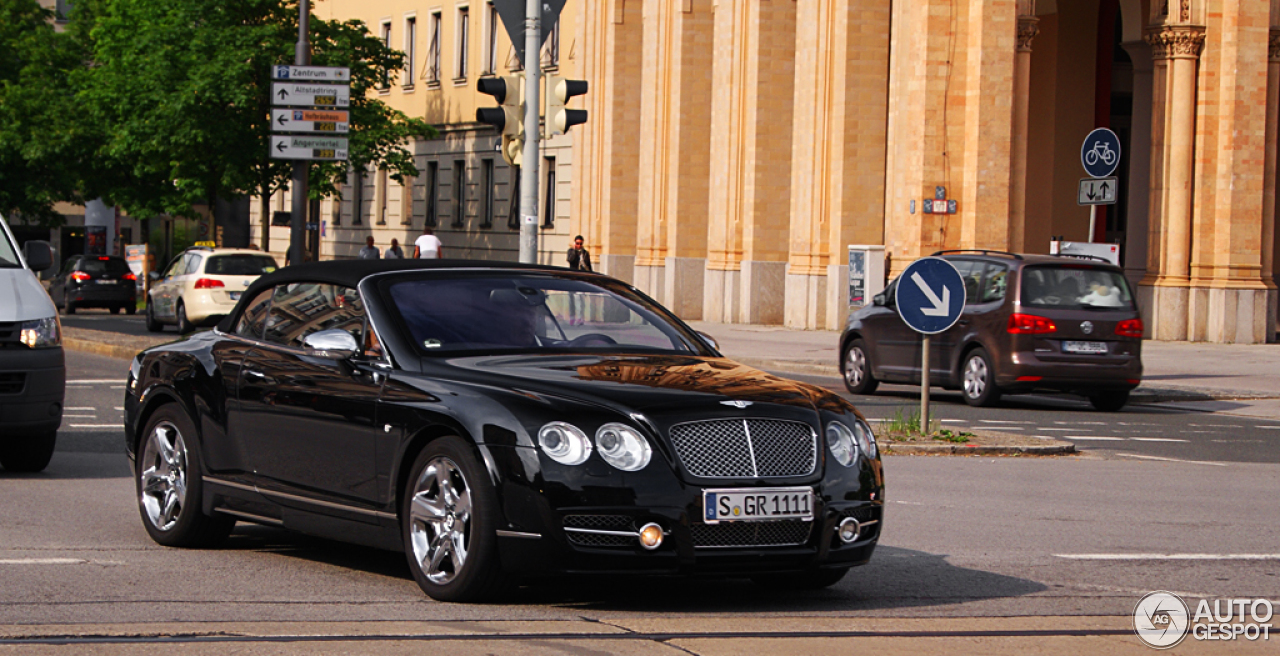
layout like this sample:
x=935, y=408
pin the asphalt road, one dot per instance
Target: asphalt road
x=95, y=319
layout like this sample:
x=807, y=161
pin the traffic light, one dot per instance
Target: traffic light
x=559, y=91
x=509, y=117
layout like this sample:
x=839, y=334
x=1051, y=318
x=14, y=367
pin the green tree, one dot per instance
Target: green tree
x=41, y=149
x=183, y=91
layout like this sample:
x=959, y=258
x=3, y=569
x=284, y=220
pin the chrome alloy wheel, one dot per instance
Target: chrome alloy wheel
x=164, y=476
x=975, y=377
x=855, y=366
x=440, y=520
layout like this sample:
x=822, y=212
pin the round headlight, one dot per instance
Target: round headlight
x=623, y=447
x=841, y=442
x=866, y=439
x=564, y=443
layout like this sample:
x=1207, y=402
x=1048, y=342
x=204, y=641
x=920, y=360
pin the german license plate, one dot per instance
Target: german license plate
x=1084, y=347
x=108, y=282
x=235, y=296
x=757, y=504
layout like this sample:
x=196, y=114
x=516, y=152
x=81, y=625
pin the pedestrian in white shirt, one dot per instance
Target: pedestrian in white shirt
x=428, y=245
x=395, y=252
x=369, y=252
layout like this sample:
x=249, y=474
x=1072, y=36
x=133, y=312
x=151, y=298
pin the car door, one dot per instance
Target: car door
x=162, y=290
x=943, y=345
x=897, y=347
x=309, y=421
x=58, y=286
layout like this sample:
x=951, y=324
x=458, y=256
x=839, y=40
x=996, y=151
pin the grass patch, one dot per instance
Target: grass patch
x=904, y=426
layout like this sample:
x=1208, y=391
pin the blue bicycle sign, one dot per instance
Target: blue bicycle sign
x=1100, y=153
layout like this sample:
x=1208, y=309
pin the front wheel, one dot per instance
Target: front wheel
x=814, y=579
x=28, y=454
x=857, y=369
x=170, y=486
x=153, y=324
x=449, y=515
x=1110, y=401
x=980, y=380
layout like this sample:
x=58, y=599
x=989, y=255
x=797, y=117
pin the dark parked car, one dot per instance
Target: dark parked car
x=95, y=281
x=1030, y=322
x=451, y=411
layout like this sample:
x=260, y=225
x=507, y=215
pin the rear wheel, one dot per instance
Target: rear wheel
x=184, y=324
x=153, y=324
x=857, y=369
x=814, y=579
x=131, y=308
x=115, y=309
x=68, y=306
x=170, y=486
x=980, y=379
x=1109, y=401
x=28, y=454
x=448, y=514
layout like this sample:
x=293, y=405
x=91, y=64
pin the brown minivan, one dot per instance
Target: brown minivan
x=1030, y=323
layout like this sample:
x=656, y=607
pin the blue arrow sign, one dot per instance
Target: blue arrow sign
x=1100, y=153
x=930, y=295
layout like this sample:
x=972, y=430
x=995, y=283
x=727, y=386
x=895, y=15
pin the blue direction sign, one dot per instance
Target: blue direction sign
x=1100, y=153
x=930, y=295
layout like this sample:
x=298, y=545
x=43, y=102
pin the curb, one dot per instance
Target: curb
x=99, y=348
x=893, y=449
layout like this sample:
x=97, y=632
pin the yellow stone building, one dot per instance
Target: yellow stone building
x=736, y=147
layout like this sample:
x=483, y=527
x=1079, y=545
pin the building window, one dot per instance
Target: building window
x=381, y=194
x=459, y=193
x=491, y=39
x=337, y=206
x=386, y=41
x=357, y=198
x=549, y=203
x=513, y=203
x=62, y=11
x=432, y=73
x=486, y=186
x=410, y=50
x=551, y=50
x=463, y=43
x=433, y=185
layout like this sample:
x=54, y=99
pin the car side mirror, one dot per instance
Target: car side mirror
x=711, y=341
x=334, y=344
x=153, y=276
x=38, y=254
x=879, y=300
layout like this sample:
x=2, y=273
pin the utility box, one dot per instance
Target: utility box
x=1108, y=252
x=866, y=273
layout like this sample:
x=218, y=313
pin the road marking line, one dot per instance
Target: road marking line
x=95, y=425
x=1159, y=556
x=1094, y=437
x=1004, y=421
x=906, y=503
x=93, y=381
x=79, y=416
x=120, y=408
x=1053, y=429
x=81, y=409
x=1262, y=427
x=1156, y=439
x=1013, y=428
x=1190, y=462
x=43, y=561
x=961, y=421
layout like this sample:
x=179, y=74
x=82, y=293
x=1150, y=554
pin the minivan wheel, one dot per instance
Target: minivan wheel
x=980, y=379
x=857, y=369
x=1109, y=401
x=184, y=324
x=153, y=324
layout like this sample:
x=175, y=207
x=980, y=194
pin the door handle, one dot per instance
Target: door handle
x=254, y=373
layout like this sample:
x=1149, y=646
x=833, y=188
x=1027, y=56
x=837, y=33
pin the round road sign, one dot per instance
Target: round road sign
x=1100, y=153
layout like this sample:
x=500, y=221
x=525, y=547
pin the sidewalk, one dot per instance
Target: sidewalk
x=1231, y=378
x=1235, y=378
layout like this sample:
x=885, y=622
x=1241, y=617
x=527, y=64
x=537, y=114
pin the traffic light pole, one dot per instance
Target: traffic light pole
x=298, y=220
x=529, y=168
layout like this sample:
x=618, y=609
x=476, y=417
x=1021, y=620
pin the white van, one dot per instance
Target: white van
x=33, y=371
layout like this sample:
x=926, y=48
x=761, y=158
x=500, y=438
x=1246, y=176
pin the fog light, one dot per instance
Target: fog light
x=848, y=530
x=651, y=536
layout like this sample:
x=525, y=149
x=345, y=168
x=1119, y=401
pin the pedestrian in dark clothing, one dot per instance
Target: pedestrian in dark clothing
x=579, y=260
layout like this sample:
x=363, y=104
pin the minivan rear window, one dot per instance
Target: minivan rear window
x=95, y=264
x=240, y=265
x=1075, y=287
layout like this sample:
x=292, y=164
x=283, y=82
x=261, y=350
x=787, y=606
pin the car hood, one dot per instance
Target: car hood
x=647, y=382
x=21, y=296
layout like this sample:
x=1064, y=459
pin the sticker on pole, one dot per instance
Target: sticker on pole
x=930, y=295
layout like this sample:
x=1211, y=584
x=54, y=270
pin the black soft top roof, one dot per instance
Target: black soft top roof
x=350, y=272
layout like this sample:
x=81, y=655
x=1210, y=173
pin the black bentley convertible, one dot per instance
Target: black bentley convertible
x=497, y=422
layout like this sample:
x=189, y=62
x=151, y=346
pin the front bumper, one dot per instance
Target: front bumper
x=32, y=389
x=534, y=539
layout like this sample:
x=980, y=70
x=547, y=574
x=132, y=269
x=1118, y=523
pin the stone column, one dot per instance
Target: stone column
x=1028, y=28
x=1270, y=239
x=606, y=180
x=675, y=153
x=753, y=76
x=1139, y=160
x=1176, y=50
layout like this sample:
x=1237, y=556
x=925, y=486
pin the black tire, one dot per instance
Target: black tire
x=115, y=309
x=432, y=528
x=978, y=379
x=131, y=309
x=855, y=366
x=814, y=579
x=153, y=324
x=184, y=324
x=1110, y=401
x=27, y=454
x=170, y=446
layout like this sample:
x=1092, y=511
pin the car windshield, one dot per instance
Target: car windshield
x=8, y=252
x=1075, y=287
x=113, y=265
x=529, y=312
x=240, y=265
